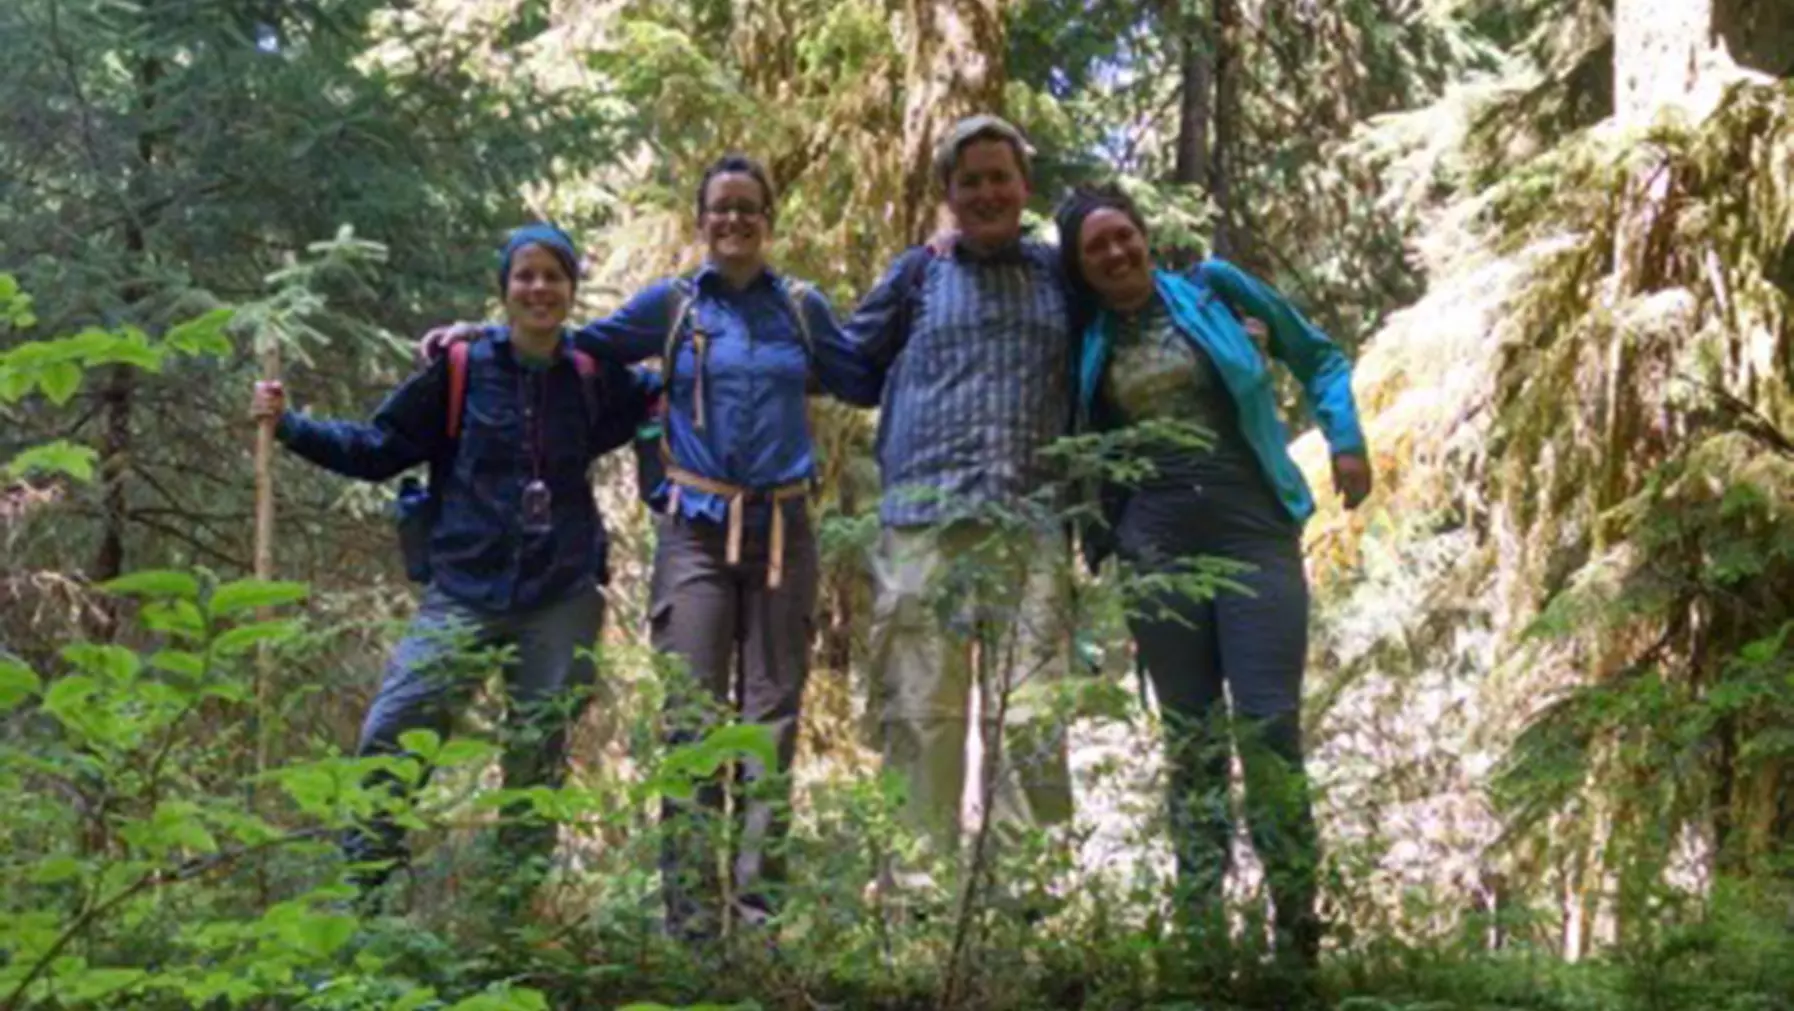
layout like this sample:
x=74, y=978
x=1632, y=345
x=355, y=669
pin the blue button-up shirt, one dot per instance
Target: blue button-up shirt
x=756, y=367
x=976, y=366
x=517, y=424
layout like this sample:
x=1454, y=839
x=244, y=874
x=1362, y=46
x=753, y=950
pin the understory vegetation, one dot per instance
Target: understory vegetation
x=1550, y=701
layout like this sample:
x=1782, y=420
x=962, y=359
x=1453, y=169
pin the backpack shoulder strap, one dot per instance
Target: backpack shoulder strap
x=457, y=376
x=915, y=269
x=912, y=277
x=796, y=293
x=684, y=295
x=915, y=272
x=590, y=376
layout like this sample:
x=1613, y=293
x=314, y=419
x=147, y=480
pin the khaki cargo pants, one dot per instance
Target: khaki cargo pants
x=961, y=604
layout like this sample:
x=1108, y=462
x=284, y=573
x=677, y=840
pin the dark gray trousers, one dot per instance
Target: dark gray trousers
x=1252, y=646
x=745, y=648
x=436, y=669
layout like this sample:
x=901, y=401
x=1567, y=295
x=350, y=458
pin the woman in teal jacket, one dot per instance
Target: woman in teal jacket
x=1163, y=347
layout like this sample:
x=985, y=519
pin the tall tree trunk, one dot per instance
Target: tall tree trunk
x=1664, y=58
x=119, y=392
x=1197, y=99
x=1226, y=123
x=115, y=448
x=953, y=68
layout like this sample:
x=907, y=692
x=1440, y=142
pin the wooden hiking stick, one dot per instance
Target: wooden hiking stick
x=263, y=563
x=264, y=541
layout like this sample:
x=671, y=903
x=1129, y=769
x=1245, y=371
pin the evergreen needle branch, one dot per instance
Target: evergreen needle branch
x=216, y=554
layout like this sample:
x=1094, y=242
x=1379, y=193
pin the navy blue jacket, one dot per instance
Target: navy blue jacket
x=516, y=423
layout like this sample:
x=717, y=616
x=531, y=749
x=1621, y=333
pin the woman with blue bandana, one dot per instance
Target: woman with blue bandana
x=1166, y=349
x=509, y=427
x=735, y=566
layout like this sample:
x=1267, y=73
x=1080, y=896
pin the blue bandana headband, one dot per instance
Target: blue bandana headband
x=542, y=234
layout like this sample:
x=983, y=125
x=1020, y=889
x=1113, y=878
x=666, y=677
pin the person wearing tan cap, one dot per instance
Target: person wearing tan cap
x=973, y=348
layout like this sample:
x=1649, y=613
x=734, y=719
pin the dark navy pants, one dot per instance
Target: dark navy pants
x=545, y=655
x=1248, y=645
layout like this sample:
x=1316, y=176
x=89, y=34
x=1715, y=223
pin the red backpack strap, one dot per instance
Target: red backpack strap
x=457, y=366
x=587, y=367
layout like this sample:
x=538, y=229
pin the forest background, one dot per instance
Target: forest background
x=1551, y=699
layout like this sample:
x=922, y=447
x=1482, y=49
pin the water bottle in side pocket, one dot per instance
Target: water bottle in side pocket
x=414, y=511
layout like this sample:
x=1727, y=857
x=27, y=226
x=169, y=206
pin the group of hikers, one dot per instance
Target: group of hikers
x=979, y=350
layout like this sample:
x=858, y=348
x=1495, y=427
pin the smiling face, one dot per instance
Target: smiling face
x=735, y=222
x=986, y=192
x=538, y=291
x=1114, y=259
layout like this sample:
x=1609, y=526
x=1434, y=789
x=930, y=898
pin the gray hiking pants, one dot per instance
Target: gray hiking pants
x=745, y=649
x=443, y=659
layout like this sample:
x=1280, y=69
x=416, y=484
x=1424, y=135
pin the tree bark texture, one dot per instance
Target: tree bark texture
x=953, y=67
x=1665, y=54
x=120, y=388
x=1226, y=123
x=1196, y=104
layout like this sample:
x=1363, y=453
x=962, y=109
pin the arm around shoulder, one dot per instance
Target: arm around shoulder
x=628, y=403
x=880, y=325
x=838, y=363
x=1318, y=363
x=637, y=330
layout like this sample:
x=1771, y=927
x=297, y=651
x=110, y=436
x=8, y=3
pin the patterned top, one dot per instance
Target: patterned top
x=1158, y=374
x=977, y=356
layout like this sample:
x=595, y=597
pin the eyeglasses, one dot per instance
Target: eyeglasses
x=726, y=210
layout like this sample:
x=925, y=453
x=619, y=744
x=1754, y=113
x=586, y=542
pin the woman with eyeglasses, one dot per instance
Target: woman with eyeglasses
x=735, y=566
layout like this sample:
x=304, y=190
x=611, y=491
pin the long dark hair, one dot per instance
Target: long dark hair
x=1078, y=205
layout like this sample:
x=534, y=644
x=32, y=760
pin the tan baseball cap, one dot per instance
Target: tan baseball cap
x=983, y=126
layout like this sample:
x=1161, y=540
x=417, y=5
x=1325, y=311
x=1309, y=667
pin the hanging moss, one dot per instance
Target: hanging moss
x=1657, y=427
x=1613, y=447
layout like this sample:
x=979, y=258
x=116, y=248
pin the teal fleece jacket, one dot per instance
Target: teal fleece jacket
x=1199, y=305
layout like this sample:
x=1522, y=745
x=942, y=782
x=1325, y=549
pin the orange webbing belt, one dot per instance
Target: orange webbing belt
x=679, y=477
x=738, y=496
